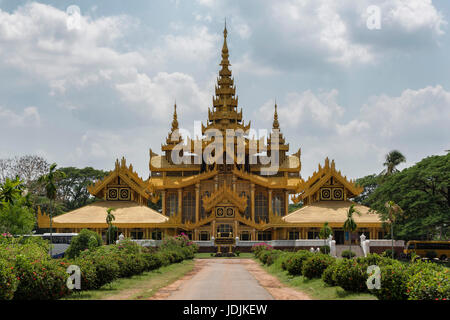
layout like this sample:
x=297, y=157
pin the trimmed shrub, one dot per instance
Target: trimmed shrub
x=263, y=255
x=348, y=254
x=8, y=281
x=88, y=273
x=285, y=258
x=295, y=263
x=106, y=265
x=82, y=242
x=40, y=279
x=351, y=276
x=328, y=275
x=430, y=284
x=314, y=266
x=393, y=282
x=374, y=259
x=152, y=261
x=273, y=255
x=259, y=247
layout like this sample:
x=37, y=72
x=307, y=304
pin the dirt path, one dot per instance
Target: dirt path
x=228, y=279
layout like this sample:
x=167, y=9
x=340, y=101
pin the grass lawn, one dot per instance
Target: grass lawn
x=207, y=255
x=315, y=288
x=137, y=287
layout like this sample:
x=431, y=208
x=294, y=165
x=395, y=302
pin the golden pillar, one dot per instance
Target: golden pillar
x=234, y=183
x=197, y=202
x=213, y=231
x=270, y=202
x=252, y=196
x=236, y=228
x=163, y=202
x=180, y=199
x=275, y=234
x=286, y=203
x=254, y=234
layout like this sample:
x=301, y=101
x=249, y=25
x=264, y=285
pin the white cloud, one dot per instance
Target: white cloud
x=415, y=122
x=28, y=118
x=319, y=109
x=336, y=32
x=156, y=95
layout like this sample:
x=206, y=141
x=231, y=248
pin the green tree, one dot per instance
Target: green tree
x=325, y=232
x=109, y=219
x=16, y=217
x=422, y=191
x=393, y=159
x=370, y=183
x=72, y=189
x=350, y=224
x=11, y=190
x=394, y=211
x=86, y=239
x=49, y=182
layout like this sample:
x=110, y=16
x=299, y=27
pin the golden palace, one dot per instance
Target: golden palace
x=237, y=197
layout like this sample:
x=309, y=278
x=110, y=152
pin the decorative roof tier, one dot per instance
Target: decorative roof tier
x=224, y=114
x=326, y=184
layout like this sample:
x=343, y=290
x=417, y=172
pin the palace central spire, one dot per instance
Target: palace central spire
x=224, y=114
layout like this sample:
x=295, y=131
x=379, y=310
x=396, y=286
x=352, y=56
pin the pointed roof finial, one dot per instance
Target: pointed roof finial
x=175, y=118
x=276, y=124
x=225, y=29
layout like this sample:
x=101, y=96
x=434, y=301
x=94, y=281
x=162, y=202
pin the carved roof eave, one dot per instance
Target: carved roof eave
x=182, y=181
x=265, y=182
x=321, y=176
x=121, y=170
x=222, y=193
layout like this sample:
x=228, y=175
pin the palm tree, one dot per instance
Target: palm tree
x=325, y=232
x=394, y=211
x=109, y=219
x=350, y=224
x=11, y=190
x=393, y=159
x=49, y=181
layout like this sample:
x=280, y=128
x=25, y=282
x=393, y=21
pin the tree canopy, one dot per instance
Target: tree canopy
x=422, y=191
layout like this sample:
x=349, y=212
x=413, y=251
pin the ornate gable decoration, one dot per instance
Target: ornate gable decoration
x=223, y=194
x=130, y=181
x=326, y=184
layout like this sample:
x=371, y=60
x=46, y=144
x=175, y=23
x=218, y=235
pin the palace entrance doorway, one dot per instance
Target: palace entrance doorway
x=339, y=236
x=225, y=230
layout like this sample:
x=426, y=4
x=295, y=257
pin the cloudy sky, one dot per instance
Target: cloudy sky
x=83, y=92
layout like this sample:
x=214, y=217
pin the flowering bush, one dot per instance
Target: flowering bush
x=86, y=239
x=259, y=247
x=329, y=274
x=39, y=279
x=294, y=264
x=314, y=266
x=88, y=272
x=394, y=278
x=8, y=281
x=430, y=284
x=350, y=275
x=268, y=256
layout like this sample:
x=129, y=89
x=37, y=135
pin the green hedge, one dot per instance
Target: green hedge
x=27, y=272
x=314, y=266
x=294, y=263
